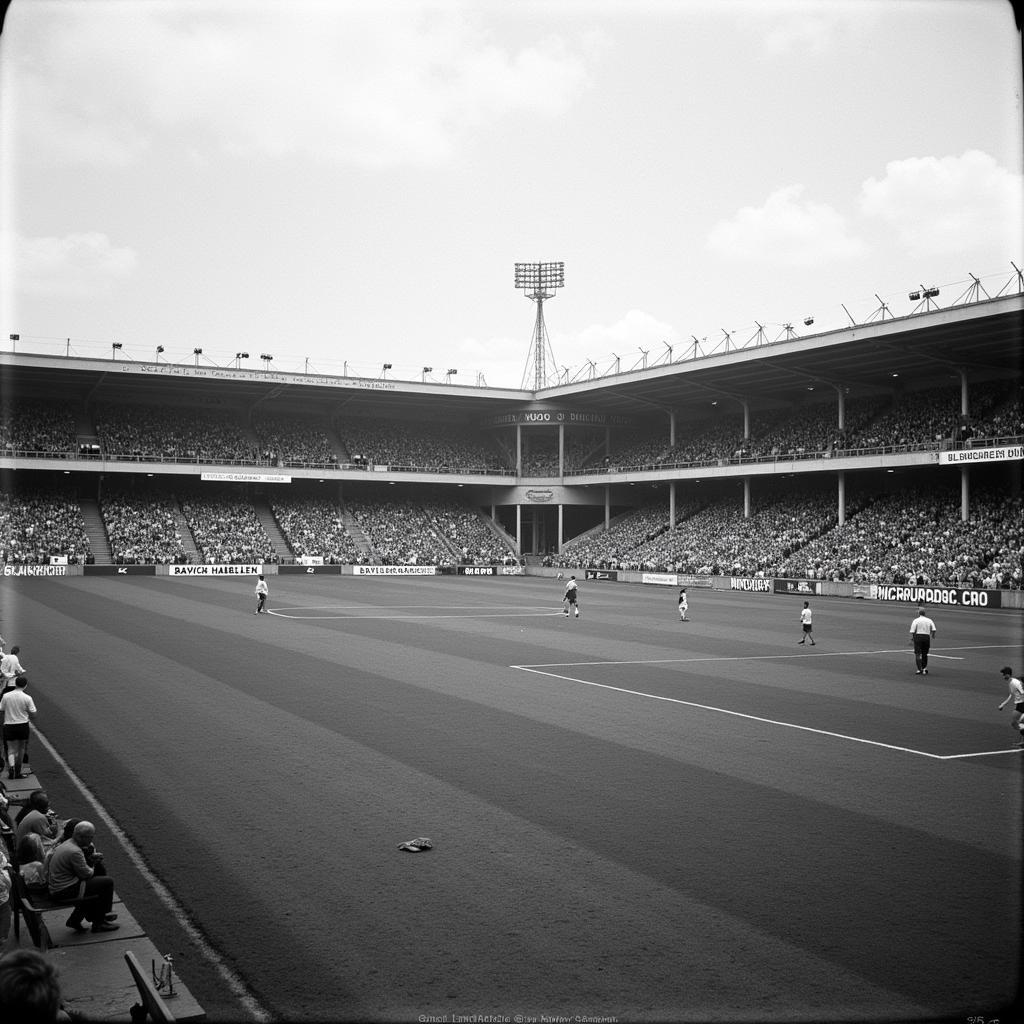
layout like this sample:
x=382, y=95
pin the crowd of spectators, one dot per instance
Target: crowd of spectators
x=163, y=433
x=708, y=539
x=920, y=538
x=609, y=549
x=36, y=526
x=430, y=446
x=37, y=428
x=468, y=534
x=294, y=441
x=402, y=533
x=227, y=529
x=917, y=419
x=1005, y=419
x=912, y=536
x=905, y=537
x=143, y=530
x=912, y=419
x=315, y=528
x=540, y=453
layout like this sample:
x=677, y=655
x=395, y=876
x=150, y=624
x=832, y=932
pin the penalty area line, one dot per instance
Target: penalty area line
x=736, y=714
x=803, y=655
x=426, y=615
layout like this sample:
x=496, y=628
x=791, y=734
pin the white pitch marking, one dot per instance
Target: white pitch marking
x=725, y=711
x=769, y=657
x=981, y=753
x=458, y=615
x=756, y=718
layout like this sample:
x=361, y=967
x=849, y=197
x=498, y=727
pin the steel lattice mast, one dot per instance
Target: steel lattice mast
x=539, y=281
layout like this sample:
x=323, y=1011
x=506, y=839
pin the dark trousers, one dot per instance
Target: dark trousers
x=96, y=899
x=921, y=647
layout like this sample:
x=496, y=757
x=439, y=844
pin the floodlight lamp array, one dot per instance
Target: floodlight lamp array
x=540, y=276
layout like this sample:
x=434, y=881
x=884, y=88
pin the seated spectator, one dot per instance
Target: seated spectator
x=31, y=857
x=38, y=818
x=73, y=879
x=29, y=989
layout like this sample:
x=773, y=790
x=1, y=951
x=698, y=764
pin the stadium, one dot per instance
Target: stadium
x=629, y=817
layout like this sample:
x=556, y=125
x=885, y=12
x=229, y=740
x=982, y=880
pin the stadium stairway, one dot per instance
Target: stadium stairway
x=272, y=530
x=188, y=542
x=355, y=531
x=96, y=983
x=99, y=543
x=501, y=533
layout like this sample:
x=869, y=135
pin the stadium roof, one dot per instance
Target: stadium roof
x=982, y=339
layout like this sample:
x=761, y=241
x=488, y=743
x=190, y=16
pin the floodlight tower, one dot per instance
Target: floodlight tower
x=539, y=281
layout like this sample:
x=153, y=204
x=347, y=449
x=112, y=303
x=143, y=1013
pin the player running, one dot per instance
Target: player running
x=570, y=596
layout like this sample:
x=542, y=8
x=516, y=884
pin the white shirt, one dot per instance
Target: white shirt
x=922, y=626
x=17, y=705
x=10, y=667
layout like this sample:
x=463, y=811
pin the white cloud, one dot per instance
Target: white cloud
x=73, y=266
x=786, y=230
x=369, y=84
x=945, y=205
x=800, y=29
x=627, y=338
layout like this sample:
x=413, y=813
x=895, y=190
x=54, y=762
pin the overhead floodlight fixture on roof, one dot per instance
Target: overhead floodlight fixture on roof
x=924, y=297
x=808, y=320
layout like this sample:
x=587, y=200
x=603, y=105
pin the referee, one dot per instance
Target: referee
x=922, y=630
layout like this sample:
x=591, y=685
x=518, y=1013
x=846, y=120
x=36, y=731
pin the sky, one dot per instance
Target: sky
x=341, y=185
